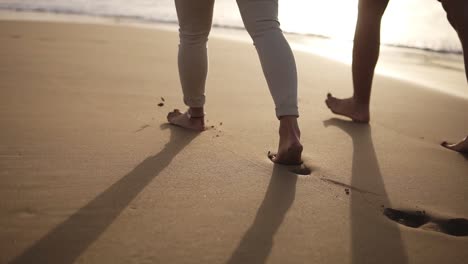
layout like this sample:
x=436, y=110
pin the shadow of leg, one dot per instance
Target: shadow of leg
x=66, y=242
x=371, y=242
x=256, y=245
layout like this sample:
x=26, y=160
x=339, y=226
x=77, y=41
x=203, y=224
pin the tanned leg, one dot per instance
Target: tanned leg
x=457, y=11
x=365, y=56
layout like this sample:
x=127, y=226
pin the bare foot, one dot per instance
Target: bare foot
x=185, y=120
x=461, y=146
x=349, y=108
x=290, y=148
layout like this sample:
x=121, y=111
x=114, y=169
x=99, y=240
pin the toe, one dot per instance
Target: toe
x=283, y=160
x=171, y=115
x=448, y=145
x=329, y=102
x=271, y=156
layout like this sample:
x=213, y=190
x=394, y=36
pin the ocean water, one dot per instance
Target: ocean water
x=418, y=24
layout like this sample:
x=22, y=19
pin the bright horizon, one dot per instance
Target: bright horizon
x=405, y=22
x=414, y=23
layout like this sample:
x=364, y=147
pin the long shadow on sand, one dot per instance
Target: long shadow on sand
x=256, y=245
x=371, y=241
x=66, y=242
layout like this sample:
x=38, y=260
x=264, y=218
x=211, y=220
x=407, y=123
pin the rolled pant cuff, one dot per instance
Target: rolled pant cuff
x=194, y=102
x=287, y=111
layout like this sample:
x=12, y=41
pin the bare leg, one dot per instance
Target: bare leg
x=463, y=35
x=457, y=11
x=456, y=14
x=365, y=56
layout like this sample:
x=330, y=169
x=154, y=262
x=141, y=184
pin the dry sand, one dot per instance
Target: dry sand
x=90, y=172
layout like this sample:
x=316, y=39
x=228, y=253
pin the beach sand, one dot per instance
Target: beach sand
x=91, y=172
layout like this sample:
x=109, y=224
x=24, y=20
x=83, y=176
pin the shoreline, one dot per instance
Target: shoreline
x=74, y=15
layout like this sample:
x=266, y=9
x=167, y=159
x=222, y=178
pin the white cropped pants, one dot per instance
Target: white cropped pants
x=260, y=18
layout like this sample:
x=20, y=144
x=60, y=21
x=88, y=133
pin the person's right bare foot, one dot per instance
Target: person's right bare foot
x=461, y=146
x=185, y=120
x=290, y=148
x=349, y=108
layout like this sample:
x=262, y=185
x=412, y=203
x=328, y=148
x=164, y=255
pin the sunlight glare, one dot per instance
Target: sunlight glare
x=332, y=18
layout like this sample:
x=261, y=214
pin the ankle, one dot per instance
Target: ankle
x=196, y=111
x=360, y=103
x=289, y=126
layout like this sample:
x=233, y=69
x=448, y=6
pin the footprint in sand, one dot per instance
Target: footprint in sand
x=419, y=219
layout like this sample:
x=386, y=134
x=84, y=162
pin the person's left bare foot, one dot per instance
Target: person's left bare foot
x=290, y=148
x=348, y=107
x=186, y=120
x=461, y=146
